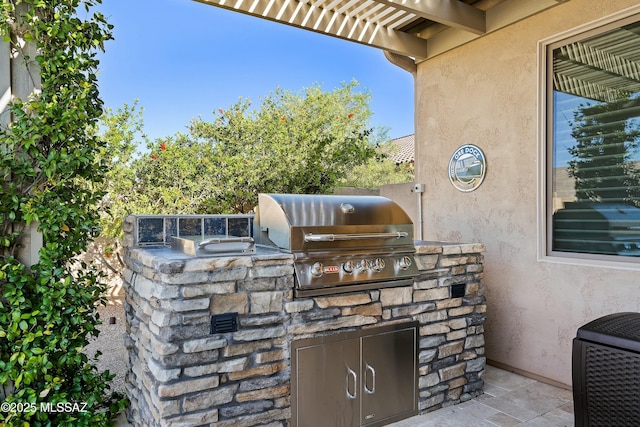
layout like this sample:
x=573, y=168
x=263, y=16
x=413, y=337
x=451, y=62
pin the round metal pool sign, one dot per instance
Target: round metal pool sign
x=467, y=168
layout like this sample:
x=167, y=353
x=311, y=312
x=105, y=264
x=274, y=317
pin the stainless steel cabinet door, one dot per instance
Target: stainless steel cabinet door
x=389, y=383
x=327, y=384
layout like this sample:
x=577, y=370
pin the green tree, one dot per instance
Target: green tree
x=48, y=159
x=295, y=143
x=606, y=137
x=122, y=133
x=379, y=170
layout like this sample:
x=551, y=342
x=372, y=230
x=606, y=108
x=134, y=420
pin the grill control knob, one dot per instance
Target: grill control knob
x=348, y=267
x=363, y=265
x=378, y=264
x=317, y=269
x=404, y=262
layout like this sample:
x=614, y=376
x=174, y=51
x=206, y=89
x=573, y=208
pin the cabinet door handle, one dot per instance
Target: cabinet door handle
x=371, y=390
x=351, y=373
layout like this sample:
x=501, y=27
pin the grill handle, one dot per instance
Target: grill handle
x=309, y=237
x=352, y=374
x=371, y=390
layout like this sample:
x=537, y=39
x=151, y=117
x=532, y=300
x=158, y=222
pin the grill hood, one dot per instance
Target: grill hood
x=302, y=223
x=339, y=243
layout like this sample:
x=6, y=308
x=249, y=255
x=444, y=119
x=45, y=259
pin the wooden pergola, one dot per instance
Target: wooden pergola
x=418, y=29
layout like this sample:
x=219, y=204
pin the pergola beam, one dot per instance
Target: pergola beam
x=453, y=13
x=312, y=16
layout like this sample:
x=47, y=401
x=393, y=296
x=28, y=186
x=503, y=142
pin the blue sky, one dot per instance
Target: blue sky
x=184, y=59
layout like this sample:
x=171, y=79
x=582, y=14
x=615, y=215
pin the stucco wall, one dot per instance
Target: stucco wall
x=404, y=196
x=485, y=93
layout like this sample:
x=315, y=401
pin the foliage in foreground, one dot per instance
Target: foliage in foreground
x=50, y=173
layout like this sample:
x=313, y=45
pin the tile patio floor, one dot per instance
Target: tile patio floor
x=508, y=400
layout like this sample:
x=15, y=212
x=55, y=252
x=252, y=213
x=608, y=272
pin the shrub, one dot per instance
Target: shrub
x=48, y=159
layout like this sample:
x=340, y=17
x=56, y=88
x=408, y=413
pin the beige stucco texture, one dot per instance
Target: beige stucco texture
x=486, y=93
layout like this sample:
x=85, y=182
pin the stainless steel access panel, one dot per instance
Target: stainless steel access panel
x=359, y=378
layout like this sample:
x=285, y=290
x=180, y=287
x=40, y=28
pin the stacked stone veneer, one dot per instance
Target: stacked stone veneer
x=181, y=375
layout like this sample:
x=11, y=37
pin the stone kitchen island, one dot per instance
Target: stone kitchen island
x=186, y=369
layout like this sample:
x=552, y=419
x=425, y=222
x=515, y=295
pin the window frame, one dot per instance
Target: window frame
x=545, y=141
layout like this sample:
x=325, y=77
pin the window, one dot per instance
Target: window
x=593, y=143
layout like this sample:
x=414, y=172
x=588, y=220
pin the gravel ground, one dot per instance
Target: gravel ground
x=111, y=343
x=111, y=339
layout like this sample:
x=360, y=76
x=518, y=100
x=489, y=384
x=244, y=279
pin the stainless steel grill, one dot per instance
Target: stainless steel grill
x=340, y=243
